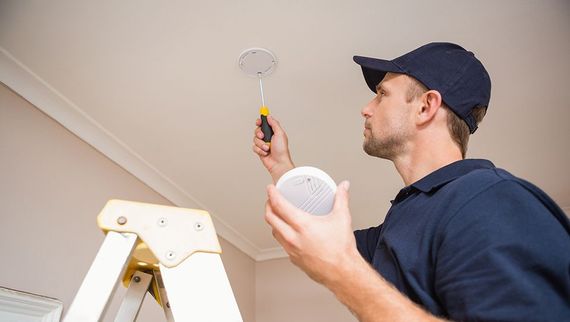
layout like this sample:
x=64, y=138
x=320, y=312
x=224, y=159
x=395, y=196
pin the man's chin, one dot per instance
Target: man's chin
x=369, y=150
x=375, y=151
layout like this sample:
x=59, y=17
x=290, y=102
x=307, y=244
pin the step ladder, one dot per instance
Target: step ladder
x=173, y=253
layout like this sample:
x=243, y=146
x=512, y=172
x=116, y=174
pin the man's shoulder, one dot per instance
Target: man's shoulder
x=463, y=180
x=490, y=180
x=480, y=184
x=486, y=175
x=496, y=196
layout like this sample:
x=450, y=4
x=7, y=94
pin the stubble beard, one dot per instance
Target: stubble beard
x=384, y=148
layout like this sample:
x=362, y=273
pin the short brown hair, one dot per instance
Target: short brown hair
x=457, y=127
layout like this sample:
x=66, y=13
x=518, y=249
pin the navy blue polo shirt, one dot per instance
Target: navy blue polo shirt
x=471, y=242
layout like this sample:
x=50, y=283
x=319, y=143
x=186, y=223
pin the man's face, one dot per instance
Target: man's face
x=388, y=118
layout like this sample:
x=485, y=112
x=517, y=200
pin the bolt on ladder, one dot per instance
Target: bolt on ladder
x=172, y=252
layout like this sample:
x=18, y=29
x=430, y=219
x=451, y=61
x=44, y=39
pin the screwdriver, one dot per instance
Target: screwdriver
x=264, y=111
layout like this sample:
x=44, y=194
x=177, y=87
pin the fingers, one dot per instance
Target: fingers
x=341, y=197
x=259, y=147
x=284, y=234
x=257, y=131
x=260, y=151
x=291, y=215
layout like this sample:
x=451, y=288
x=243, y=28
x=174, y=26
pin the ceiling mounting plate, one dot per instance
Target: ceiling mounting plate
x=257, y=62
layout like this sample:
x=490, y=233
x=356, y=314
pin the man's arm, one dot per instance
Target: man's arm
x=371, y=298
x=277, y=159
x=324, y=247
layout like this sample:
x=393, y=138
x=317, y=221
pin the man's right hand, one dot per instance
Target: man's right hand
x=276, y=159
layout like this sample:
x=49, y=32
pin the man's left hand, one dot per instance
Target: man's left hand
x=322, y=246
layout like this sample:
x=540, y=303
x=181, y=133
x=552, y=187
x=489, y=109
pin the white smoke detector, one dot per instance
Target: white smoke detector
x=309, y=189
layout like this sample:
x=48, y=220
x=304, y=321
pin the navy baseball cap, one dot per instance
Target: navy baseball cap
x=448, y=68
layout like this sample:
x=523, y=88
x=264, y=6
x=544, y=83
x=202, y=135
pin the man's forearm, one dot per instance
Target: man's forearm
x=370, y=297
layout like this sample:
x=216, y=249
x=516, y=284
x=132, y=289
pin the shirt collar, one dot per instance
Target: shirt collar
x=443, y=175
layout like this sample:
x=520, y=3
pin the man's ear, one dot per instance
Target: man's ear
x=430, y=103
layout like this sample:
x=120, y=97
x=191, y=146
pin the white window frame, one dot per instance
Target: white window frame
x=28, y=307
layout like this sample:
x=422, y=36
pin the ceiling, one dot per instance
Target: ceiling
x=155, y=85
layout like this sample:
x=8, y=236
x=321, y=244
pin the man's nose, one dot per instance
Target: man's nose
x=366, y=111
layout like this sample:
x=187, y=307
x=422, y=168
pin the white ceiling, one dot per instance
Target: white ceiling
x=155, y=85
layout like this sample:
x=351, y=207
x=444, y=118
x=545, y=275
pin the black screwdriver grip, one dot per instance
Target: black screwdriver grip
x=266, y=129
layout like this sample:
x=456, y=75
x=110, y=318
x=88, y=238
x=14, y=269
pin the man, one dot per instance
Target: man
x=463, y=240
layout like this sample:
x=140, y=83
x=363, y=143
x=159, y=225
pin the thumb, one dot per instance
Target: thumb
x=341, y=196
x=275, y=125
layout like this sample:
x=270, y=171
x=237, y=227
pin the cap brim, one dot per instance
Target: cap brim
x=375, y=69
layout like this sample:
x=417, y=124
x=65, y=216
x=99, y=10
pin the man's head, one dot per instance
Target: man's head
x=458, y=129
x=442, y=73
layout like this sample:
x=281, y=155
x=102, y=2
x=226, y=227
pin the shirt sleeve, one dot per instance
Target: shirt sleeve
x=366, y=241
x=504, y=257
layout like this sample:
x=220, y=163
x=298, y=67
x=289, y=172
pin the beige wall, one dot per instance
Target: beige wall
x=283, y=294
x=52, y=185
